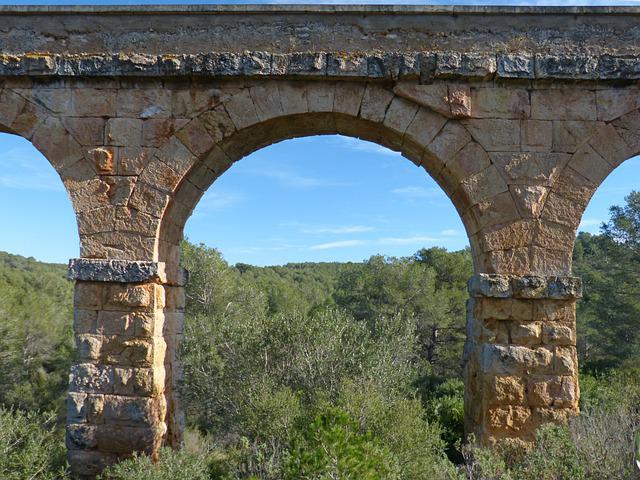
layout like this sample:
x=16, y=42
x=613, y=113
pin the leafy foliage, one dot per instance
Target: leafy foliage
x=30, y=446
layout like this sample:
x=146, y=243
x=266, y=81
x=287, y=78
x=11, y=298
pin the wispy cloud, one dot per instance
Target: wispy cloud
x=416, y=192
x=340, y=244
x=417, y=239
x=590, y=222
x=364, y=146
x=214, y=200
x=450, y=233
x=22, y=169
x=338, y=230
x=294, y=180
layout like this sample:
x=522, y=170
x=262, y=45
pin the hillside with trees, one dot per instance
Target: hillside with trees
x=333, y=370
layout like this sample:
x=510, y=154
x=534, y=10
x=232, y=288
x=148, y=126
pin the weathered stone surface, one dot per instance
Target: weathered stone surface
x=123, y=271
x=532, y=286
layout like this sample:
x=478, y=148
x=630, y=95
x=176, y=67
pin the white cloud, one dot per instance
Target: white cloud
x=450, y=233
x=338, y=230
x=27, y=169
x=340, y=244
x=368, y=147
x=294, y=180
x=407, y=240
x=217, y=200
x=416, y=192
x=589, y=222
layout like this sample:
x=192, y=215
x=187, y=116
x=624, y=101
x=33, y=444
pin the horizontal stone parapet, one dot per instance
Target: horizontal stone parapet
x=528, y=286
x=425, y=65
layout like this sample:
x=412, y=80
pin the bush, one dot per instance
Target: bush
x=172, y=465
x=31, y=447
x=333, y=446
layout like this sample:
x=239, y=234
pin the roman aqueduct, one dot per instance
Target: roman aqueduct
x=518, y=113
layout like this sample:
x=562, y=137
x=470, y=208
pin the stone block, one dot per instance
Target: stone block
x=529, y=200
x=85, y=321
x=347, y=98
x=143, y=103
x=123, y=132
x=530, y=168
x=93, y=102
x=91, y=378
x=561, y=210
x=565, y=361
x=554, y=236
x=470, y=160
x=512, y=359
x=434, y=96
x=89, y=463
x=507, y=390
x=374, y=103
x=525, y=333
x=616, y=102
x=610, y=145
x=500, y=102
x=568, y=136
x=86, y=130
x=399, y=115
x=536, y=135
x=455, y=64
x=266, y=98
x=81, y=437
x=563, y=104
x=507, y=236
x=422, y=129
x=559, y=311
x=559, y=335
x=148, y=200
x=132, y=160
x=511, y=418
x=496, y=210
x=483, y=185
x=88, y=346
x=293, y=97
x=187, y=103
x=87, y=295
x=241, y=110
x=449, y=141
x=546, y=261
x=132, y=411
x=120, y=297
x=56, y=144
x=495, y=135
x=218, y=123
x=196, y=138
x=515, y=65
x=320, y=97
x=127, y=439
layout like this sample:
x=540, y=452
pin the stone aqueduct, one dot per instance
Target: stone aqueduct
x=518, y=113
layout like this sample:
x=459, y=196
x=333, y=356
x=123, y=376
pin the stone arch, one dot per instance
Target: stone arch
x=597, y=148
x=28, y=113
x=270, y=111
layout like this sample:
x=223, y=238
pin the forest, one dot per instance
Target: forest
x=333, y=370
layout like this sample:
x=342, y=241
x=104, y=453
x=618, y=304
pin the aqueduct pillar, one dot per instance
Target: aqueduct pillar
x=519, y=114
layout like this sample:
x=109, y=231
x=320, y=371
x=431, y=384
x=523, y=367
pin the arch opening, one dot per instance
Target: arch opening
x=215, y=305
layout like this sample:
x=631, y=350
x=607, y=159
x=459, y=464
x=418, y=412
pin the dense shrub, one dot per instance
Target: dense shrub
x=31, y=447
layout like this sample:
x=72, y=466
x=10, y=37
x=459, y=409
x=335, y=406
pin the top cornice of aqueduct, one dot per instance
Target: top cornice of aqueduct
x=328, y=41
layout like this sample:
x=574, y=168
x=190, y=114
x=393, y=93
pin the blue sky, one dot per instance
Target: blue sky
x=310, y=199
x=327, y=198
